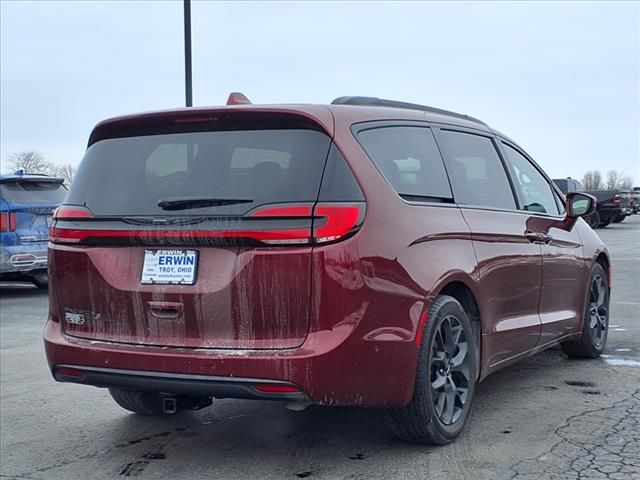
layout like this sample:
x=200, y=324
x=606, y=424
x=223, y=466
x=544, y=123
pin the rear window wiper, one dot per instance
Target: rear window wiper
x=184, y=203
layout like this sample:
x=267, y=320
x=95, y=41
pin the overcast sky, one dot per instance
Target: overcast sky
x=561, y=79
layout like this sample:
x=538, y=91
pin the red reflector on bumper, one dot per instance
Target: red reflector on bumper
x=70, y=372
x=276, y=388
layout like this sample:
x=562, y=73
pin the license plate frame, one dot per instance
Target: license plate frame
x=169, y=267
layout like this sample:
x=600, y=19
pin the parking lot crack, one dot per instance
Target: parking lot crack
x=593, y=444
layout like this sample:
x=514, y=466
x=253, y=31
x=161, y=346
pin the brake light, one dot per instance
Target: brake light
x=616, y=198
x=71, y=213
x=7, y=222
x=331, y=222
x=295, y=236
x=194, y=119
x=340, y=220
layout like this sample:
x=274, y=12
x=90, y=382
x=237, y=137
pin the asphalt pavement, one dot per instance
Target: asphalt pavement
x=547, y=417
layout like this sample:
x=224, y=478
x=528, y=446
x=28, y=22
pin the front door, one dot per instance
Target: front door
x=562, y=294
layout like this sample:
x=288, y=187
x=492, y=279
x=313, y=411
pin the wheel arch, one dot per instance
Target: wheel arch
x=464, y=294
x=602, y=258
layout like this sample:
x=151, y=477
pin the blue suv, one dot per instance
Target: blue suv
x=27, y=202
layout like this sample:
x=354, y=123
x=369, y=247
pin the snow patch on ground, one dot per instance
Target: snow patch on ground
x=622, y=362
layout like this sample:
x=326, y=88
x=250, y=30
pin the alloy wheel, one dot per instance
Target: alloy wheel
x=450, y=370
x=598, y=310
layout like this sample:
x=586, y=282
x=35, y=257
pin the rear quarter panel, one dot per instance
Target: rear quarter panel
x=401, y=259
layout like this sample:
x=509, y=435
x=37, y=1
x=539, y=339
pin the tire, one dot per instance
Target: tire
x=604, y=223
x=419, y=421
x=618, y=218
x=593, y=220
x=596, y=319
x=150, y=403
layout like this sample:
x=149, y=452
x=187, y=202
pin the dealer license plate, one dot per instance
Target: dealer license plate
x=177, y=267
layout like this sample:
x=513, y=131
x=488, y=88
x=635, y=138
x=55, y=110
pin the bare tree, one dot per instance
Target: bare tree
x=626, y=183
x=592, y=180
x=30, y=161
x=67, y=171
x=613, y=178
x=618, y=180
x=597, y=180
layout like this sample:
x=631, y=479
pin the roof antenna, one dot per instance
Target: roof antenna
x=237, y=98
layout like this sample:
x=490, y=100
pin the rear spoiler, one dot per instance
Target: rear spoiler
x=214, y=119
x=32, y=178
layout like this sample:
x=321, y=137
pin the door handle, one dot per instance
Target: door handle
x=534, y=237
x=538, y=237
x=165, y=309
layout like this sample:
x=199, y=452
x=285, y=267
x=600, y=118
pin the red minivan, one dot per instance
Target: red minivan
x=367, y=253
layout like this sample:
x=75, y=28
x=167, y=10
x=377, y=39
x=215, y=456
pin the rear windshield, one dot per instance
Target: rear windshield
x=29, y=192
x=170, y=174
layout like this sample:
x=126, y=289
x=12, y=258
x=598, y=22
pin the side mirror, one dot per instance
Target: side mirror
x=580, y=204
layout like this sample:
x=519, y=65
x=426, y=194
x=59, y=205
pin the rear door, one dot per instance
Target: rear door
x=509, y=259
x=227, y=212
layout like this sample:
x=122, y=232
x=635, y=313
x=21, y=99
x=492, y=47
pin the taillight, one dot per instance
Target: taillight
x=7, y=222
x=324, y=223
x=331, y=222
x=339, y=221
x=616, y=198
x=71, y=213
x=68, y=235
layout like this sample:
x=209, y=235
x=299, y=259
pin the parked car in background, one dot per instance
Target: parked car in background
x=610, y=205
x=27, y=202
x=365, y=253
x=632, y=197
x=635, y=198
x=568, y=185
x=626, y=206
x=613, y=205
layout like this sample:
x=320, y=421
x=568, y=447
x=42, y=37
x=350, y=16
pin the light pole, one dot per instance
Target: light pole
x=187, y=53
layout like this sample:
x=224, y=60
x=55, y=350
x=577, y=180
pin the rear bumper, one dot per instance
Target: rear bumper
x=177, y=384
x=24, y=257
x=331, y=368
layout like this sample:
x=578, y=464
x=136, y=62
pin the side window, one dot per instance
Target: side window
x=536, y=193
x=338, y=182
x=560, y=203
x=409, y=159
x=476, y=172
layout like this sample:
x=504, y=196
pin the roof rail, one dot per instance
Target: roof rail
x=380, y=102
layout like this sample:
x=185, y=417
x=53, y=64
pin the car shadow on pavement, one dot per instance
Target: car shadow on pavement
x=21, y=290
x=329, y=442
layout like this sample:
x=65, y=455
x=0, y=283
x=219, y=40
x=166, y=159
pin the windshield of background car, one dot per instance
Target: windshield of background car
x=30, y=192
x=130, y=176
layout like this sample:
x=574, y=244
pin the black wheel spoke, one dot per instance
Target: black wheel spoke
x=461, y=355
x=450, y=399
x=439, y=404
